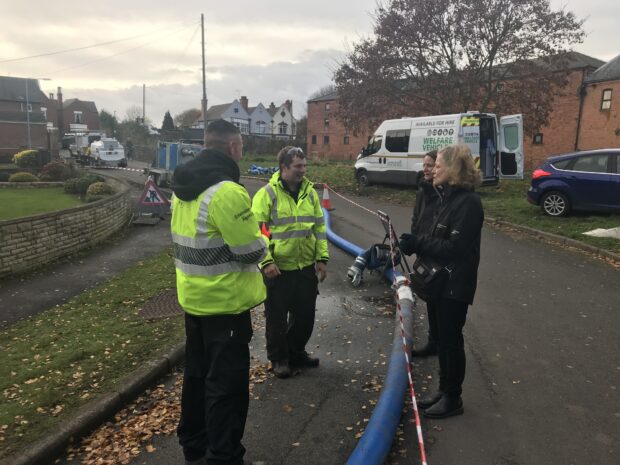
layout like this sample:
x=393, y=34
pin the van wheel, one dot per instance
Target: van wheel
x=362, y=178
x=555, y=203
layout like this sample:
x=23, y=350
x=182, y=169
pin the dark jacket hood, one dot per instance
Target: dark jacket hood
x=208, y=168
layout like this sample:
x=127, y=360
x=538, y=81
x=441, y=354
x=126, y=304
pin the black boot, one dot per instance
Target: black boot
x=429, y=349
x=281, y=369
x=303, y=359
x=432, y=399
x=447, y=406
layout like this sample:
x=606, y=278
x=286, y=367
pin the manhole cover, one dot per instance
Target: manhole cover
x=162, y=306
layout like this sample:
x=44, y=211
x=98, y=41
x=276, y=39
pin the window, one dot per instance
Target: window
x=326, y=123
x=327, y=106
x=374, y=145
x=538, y=138
x=282, y=128
x=29, y=107
x=345, y=140
x=563, y=164
x=325, y=140
x=511, y=137
x=235, y=110
x=77, y=117
x=44, y=111
x=261, y=127
x=606, y=99
x=397, y=141
x=313, y=139
x=591, y=164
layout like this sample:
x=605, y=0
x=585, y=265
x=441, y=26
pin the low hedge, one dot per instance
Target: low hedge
x=23, y=177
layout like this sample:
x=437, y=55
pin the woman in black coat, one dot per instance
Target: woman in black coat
x=454, y=241
x=426, y=200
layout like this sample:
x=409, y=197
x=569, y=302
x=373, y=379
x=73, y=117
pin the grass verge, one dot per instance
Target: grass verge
x=16, y=203
x=54, y=363
x=506, y=201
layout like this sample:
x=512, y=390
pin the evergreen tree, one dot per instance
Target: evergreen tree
x=168, y=123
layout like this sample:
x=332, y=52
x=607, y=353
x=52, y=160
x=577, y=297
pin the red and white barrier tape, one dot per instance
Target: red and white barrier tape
x=416, y=413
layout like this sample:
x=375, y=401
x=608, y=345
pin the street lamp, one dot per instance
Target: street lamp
x=28, y=104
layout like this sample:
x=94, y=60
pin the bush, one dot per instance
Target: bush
x=56, y=170
x=4, y=177
x=23, y=177
x=94, y=198
x=26, y=159
x=99, y=188
x=70, y=186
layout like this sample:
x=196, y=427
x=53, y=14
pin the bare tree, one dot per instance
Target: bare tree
x=443, y=56
x=133, y=113
x=186, y=118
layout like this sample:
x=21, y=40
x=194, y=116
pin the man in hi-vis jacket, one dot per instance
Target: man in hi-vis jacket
x=296, y=262
x=217, y=247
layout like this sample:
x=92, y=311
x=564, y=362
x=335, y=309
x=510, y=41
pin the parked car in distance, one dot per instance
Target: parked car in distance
x=587, y=180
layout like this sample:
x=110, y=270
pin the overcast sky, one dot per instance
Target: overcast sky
x=269, y=51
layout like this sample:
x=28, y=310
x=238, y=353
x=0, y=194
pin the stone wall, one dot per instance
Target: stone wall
x=30, y=242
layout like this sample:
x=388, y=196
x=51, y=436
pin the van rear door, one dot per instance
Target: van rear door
x=511, y=147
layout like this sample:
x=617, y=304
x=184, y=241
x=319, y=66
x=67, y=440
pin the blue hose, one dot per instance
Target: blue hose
x=374, y=445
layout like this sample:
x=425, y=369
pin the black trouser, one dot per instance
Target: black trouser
x=289, y=313
x=433, y=324
x=451, y=315
x=215, y=396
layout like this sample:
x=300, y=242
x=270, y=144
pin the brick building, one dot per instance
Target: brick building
x=600, y=116
x=326, y=135
x=23, y=108
x=584, y=116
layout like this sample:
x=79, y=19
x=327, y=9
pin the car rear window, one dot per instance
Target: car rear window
x=591, y=164
x=562, y=164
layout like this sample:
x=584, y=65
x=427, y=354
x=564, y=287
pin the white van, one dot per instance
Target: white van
x=395, y=152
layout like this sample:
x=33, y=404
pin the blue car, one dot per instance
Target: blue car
x=588, y=180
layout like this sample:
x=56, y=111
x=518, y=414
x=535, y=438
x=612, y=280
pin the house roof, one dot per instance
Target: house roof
x=85, y=104
x=14, y=89
x=610, y=71
x=216, y=111
x=324, y=98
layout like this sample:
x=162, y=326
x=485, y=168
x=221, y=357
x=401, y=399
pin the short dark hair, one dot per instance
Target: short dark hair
x=286, y=155
x=219, y=133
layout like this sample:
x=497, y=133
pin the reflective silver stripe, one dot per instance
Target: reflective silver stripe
x=254, y=246
x=321, y=236
x=294, y=219
x=320, y=220
x=291, y=234
x=230, y=267
x=203, y=211
x=198, y=242
x=274, y=204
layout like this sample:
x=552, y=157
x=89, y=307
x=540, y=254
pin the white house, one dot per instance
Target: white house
x=257, y=121
x=284, y=124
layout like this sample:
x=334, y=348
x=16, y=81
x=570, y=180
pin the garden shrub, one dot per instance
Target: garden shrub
x=4, y=177
x=99, y=188
x=23, y=177
x=56, y=170
x=26, y=159
x=70, y=186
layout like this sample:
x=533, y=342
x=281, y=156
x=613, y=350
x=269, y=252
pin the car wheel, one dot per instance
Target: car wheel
x=362, y=178
x=555, y=204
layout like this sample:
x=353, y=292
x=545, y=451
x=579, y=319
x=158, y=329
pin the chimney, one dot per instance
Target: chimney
x=244, y=102
x=288, y=104
x=59, y=113
x=51, y=96
x=272, y=107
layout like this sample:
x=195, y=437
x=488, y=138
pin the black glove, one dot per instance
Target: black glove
x=408, y=243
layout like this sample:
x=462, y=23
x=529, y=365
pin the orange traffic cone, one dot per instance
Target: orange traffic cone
x=326, y=203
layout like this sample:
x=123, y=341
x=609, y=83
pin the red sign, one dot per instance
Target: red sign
x=152, y=196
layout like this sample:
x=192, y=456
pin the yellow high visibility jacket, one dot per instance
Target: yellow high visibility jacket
x=298, y=231
x=217, y=247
